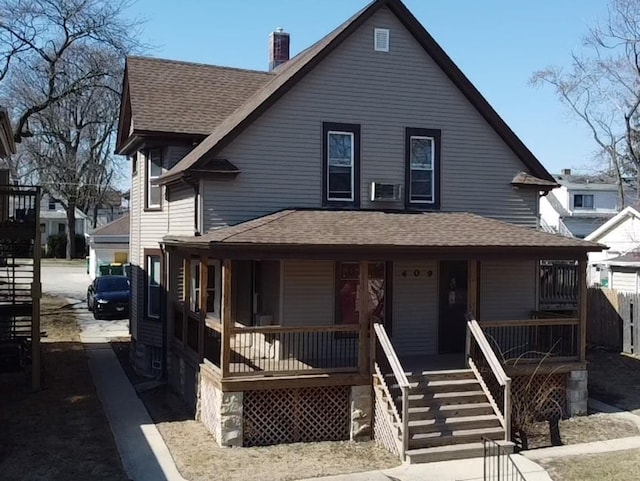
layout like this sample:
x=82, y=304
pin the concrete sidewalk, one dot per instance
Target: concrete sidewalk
x=460, y=470
x=145, y=456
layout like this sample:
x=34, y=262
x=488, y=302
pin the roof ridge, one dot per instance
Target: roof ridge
x=199, y=64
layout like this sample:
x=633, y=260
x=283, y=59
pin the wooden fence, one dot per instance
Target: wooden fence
x=613, y=319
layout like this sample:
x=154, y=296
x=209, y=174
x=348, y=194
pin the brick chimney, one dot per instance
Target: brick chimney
x=278, y=48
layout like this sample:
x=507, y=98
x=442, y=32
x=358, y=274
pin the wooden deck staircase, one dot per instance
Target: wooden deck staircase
x=448, y=415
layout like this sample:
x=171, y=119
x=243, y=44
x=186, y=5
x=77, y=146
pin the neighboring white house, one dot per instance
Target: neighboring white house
x=579, y=206
x=618, y=266
x=53, y=219
x=109, y=244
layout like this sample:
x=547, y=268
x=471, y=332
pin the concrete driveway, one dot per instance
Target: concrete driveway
x=70, y=280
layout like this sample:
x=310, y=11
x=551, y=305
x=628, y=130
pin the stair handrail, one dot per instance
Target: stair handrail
x=401, y=378
x=475, y=331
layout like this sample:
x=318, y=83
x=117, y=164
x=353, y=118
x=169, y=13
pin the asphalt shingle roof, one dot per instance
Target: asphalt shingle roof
x=332, y=228
x=184, y=97
x=118, y=227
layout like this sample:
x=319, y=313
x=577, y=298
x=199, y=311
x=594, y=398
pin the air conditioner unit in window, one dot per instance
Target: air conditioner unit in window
x=382, y=192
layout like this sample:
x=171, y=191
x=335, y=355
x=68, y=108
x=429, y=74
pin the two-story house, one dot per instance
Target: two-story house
x=580, y=204
x=53, y=219
x=302, y=238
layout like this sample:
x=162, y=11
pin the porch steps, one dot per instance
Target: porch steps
x=451, y=452
x=449, y=414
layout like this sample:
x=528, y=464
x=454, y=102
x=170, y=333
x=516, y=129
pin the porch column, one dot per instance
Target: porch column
x=226, y=317
x=204, y=277
x=582, y=308
x=472, y=288
x=364, y=318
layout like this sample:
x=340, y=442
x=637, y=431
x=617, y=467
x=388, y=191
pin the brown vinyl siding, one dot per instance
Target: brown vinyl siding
x=508, y=290
x=415, y=308
x=308, y=293
x=280, y=154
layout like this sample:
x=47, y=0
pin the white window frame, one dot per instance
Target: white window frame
x=216, y=288
x=151, y=178
x=583, y=197
x=433, y=169
x=352, y=166
x=148, y=287
x=194, y=287
x=377, y=34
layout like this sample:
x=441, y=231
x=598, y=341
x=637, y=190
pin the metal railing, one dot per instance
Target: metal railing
x=498, y=463
x=281, y=349
x=394, y=381
x=490, y=373
x=534, y=339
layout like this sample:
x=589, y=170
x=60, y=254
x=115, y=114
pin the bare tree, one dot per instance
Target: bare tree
x=602, y=88
x=71, y=146
x=39, y=39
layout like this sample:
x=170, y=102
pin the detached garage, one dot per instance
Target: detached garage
x=109, y=244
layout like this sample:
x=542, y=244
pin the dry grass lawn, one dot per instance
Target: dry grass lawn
x=584, y=429
x=620, y=466
x=60, y=433
x=199, y=458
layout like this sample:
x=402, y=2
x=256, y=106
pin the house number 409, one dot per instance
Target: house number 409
x=416, y=273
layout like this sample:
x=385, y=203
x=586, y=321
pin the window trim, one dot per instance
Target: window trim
x=217, y=288
x=583, y=196
x=148, y=254
x=436, y=135
x=354, y=131
x=147, y=181
x=195, y=261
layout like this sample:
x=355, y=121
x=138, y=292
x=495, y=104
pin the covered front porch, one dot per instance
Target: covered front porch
x=277, y=321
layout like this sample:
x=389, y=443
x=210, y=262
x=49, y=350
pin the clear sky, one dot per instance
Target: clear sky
x=498, y=44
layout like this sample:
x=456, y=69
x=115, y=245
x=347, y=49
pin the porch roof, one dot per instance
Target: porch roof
x=378, y=231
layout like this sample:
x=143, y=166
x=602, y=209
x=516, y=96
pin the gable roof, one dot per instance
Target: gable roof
x=288, y=74
x=627, y=212
x=118, y=227
x=182, y=97
x=387, y=232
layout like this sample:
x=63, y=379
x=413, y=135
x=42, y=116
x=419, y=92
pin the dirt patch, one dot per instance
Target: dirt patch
x=61, y=432
x=614, y=378
x=583, y=429
x=622, y=466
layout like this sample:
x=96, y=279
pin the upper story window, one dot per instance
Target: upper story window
x=422, y=168
x=583, y=201
x=154, y=170
x=52, y=204
x=341, y=164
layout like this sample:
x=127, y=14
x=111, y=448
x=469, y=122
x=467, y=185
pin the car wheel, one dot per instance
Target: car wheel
x=89, y=308
x=96, y=316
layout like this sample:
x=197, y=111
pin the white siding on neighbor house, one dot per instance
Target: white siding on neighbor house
x=622, y=238
x=625, y=281
x=308, y=293
x=280, y=154
x=415, y=308
x=181, y=209
x=101, y=254
x=508, y=290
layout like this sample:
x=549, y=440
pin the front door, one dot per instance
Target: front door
x=453, y=306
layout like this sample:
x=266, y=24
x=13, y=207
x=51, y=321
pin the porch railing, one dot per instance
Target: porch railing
x=530, y=340
x=393, y=382
x=498, y=463
x=282, y=350
x=490, y=373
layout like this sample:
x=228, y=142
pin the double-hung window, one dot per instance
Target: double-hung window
x=154, y=170
x=153, y=266
x=583, y=201
x=213, y=289
x=422, y=163
x=341, y=164
x=194, y=285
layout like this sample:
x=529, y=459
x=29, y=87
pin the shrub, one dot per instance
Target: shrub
x=57, y=246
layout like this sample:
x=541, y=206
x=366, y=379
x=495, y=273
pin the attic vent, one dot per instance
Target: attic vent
x=381, y=39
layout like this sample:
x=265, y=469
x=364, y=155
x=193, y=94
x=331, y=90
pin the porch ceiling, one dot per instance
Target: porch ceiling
x=385, y=232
